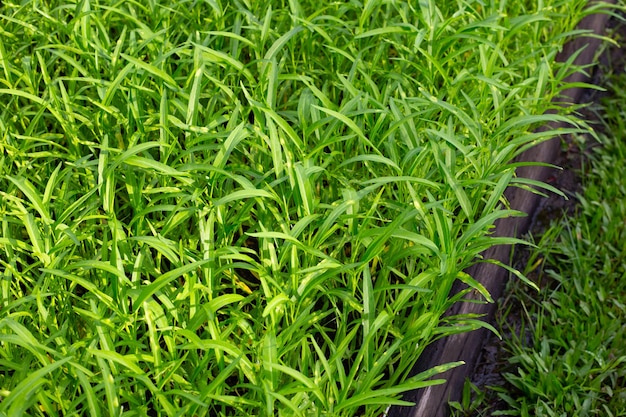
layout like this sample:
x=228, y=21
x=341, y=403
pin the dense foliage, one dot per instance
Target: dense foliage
x=253, y=207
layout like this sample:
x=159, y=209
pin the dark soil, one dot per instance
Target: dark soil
x=493, y=361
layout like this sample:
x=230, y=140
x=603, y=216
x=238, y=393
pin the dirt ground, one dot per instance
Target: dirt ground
x=493, y=362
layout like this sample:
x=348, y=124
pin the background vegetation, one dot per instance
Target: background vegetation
x=575, y=364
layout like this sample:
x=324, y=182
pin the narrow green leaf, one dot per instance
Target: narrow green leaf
x=151, y=69
x=223, y=300
x=383, y=31
x=373, y=158
x=194, y=97
x=243, y=195
x=163, y=280
x=112, y=399
x=498, y=192
x=20, y=395
x=33, y=196
x=534, y=186
x=472, y=283
x=376, y=247
x=515, y=272
x=480, y=227
x=350, y=123
x=213, y=55
x=274, y=304
x=235, y=137
x=92, y=400
x=85, y=283
x=127, y=361
x=369, y=312
x=52, y=182
x=141, y=162
x=129, y=153
x=114, y=87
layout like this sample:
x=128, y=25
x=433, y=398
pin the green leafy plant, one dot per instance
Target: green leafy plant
x=253, y=207
x=471, y=403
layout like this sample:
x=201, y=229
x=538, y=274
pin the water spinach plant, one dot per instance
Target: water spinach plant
x=254, y=207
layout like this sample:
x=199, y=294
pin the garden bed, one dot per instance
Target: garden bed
x=259, y=208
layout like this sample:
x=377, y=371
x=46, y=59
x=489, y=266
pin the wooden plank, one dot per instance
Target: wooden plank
x=432, y=401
